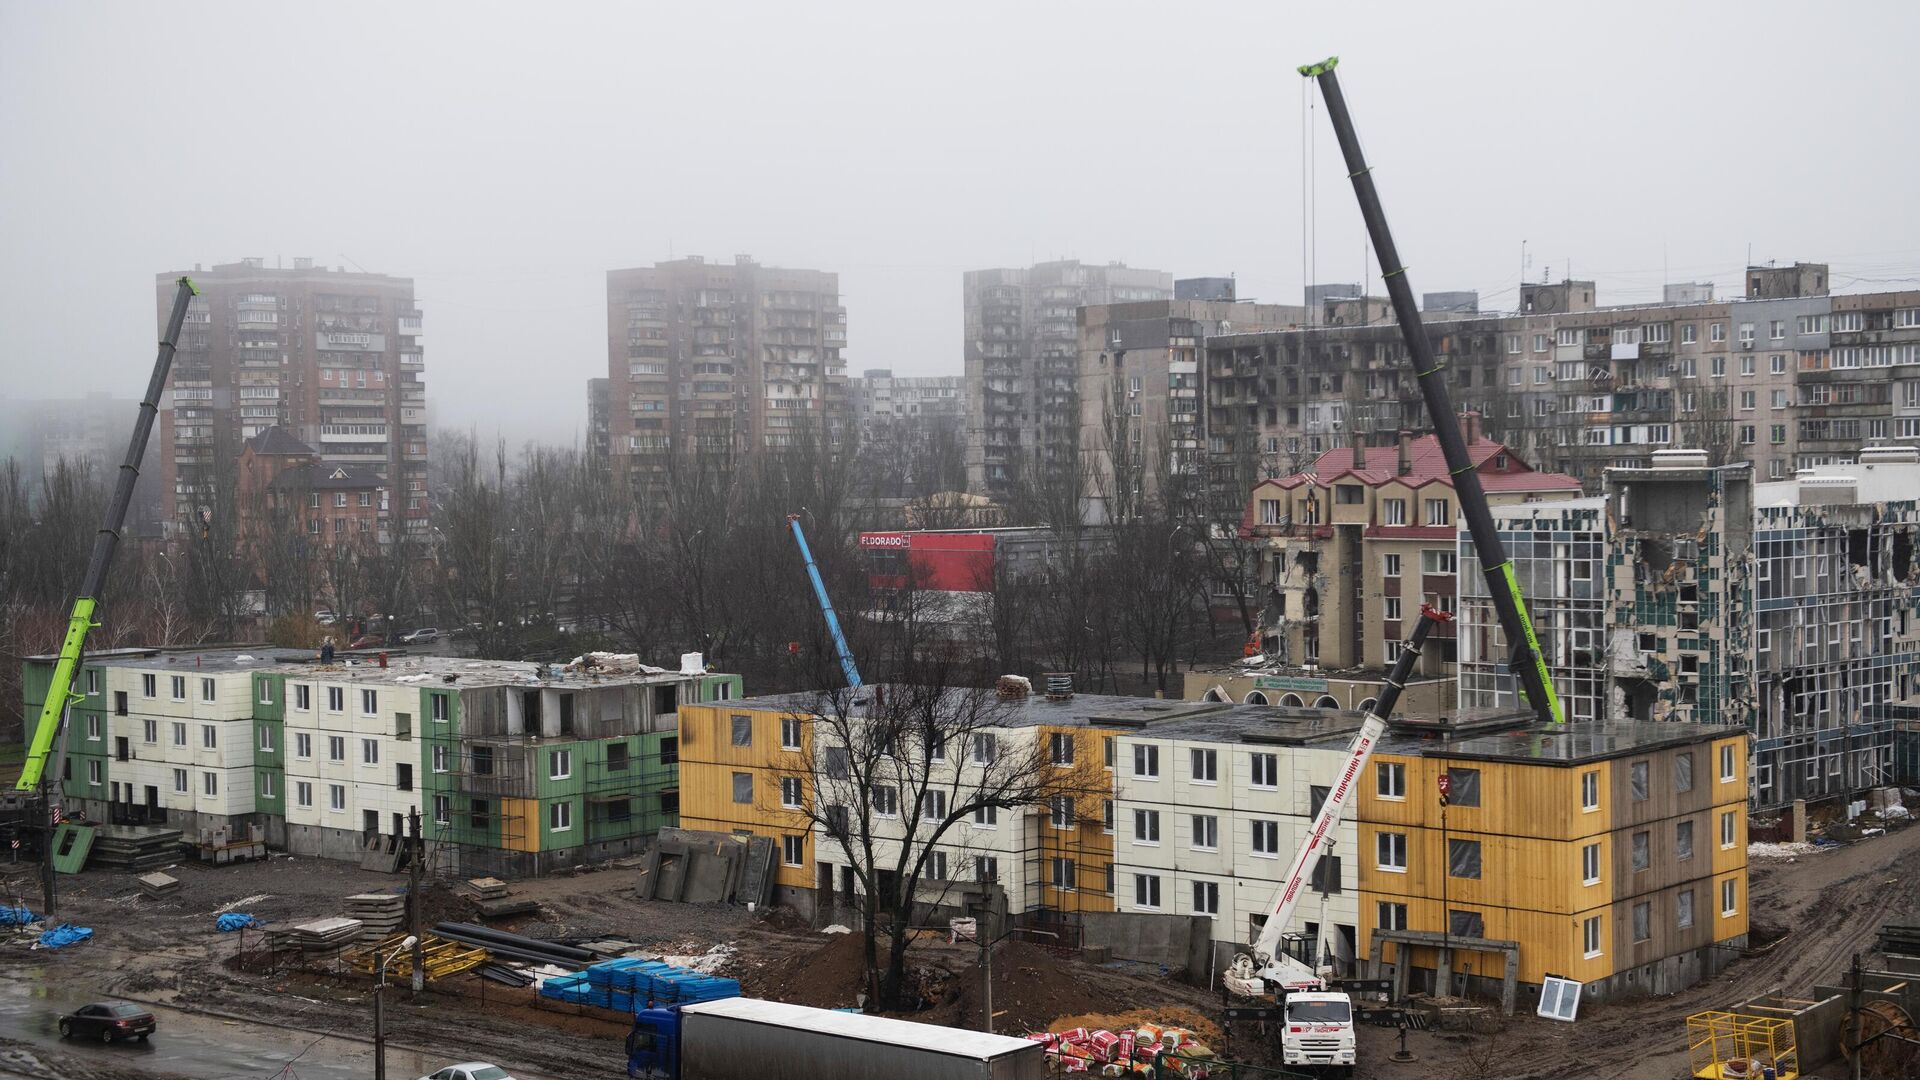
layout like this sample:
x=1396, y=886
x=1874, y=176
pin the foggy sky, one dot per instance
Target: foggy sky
x=505, y=157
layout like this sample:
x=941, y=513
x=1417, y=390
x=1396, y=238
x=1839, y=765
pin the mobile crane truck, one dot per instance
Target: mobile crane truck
x=35, y=803
x=1316, y=1025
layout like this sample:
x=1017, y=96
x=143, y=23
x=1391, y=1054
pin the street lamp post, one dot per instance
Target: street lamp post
x=986, y=967
x=380, y=1009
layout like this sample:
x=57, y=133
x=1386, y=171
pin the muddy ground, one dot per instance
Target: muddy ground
x=169, y=952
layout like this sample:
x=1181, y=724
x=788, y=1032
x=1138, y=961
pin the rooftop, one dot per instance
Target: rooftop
x=1568, y=744
x=363, y=667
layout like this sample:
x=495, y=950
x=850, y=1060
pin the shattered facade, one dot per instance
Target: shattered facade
x=1786, y=607
x=1558, y=550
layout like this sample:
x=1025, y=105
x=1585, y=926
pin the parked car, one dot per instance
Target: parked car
x=367, y=641
x=108, y=1021
x=325, y=617
x=472, y=1070
x=420, y=636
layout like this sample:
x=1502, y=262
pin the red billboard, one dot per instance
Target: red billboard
x=930, y=561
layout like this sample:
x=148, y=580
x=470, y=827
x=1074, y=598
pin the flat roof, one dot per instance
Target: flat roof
x=957, y=1042
x=1033, y=710
x=1573, y=743
x=362, y=666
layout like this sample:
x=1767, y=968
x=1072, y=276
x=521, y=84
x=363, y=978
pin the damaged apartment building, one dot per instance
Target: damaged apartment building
x=1787, y=607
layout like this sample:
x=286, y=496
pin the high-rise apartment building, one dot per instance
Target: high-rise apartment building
x=332, y=356
x=1022, y=361
x=1138, y=385
x=880, y=397
x=721, y=358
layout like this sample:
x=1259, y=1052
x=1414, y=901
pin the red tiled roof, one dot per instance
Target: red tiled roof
x=1427, y=463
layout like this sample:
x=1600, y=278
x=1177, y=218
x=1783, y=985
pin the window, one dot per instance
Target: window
x=1719, y=367
x=1777, y=330
x=1390, y=916
x=1689, y=333
x=97, y=771
x=303, y=794
x=1729, y=831
x=1438, y=512
x=93, y=729
x=1266, y=839
x=266, y=738
x=266, y=692
x=1106, y=815
x=336, y=699
x=150, y=731
x=1748, y=399
x=1060, y=746
x=1746, y=365
x=179, y=734
x=1106, y=751
x=1513, y=344
x=336, y=748
x=1437, y=562
x=210, y=785
x=742, y=730
x=986, y=749
x=1390, y=779
x=302, y=696
x=1206, y=832
x=1060, y=811
x=1683, y=909
x=1062, y=876
x=1390, y=849
x=1683, y=772
x=789, y=733
x=369, y=702
x=1727, y=771
x=369, y=751
x=886, y=800
x=1146, y=761
x=1729, y=897
x=303, y=745
x=441, y=756
x=1393, y=512
x=147, y=686
x=180, y=781
x=336, y=796
x=1463, y=787
x=933, y=806
x=1590, y=864
x=1146, y=890
x=1642, y=851
x=560, y=816
x=1206, y=766
x=439, y=708
x=206, y=690
x=1637, y=780
x=1146, y=827
x=1266, y=770
x=1206, y=898
x=793, y=849
x=1390, y=566
x=1642, y=921
x=1391, y=609
x=790, y=791
x=1777, y=364
x=1463, y=858
x=178, y=685
x=1466, y=924
x=743, y=788
x=209, y=737
x=986, y=869
x=560, y=765
x=1566, y=336
x=987, y=816
x=1590, y=929
x=1683, y=840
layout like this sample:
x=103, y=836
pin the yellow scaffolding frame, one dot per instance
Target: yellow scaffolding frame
x=1734, y=1046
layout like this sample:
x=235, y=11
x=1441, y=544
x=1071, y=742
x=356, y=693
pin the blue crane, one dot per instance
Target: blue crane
x=826, y=606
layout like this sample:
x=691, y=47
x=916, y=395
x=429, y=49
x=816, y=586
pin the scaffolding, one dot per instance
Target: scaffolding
x=1727, y=1046
x=1558, y=552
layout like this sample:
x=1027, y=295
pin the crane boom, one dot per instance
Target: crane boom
x=1264, y=962
x=826, y=606
x=60, y=693
x=1528, y=659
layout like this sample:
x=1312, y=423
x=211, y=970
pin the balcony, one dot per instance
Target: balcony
x=411, y=361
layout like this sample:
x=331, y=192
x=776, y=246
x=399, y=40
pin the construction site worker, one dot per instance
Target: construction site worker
x=326, y=650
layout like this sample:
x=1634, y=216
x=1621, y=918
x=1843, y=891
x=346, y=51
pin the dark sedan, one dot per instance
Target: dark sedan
x=108, y=1021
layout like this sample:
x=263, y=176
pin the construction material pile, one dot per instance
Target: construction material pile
x=1146, y=1050
x=158, y=884
x=321, y=939
x=439, y=957
x=380, y=914
x=631, y=984
x=135, y=847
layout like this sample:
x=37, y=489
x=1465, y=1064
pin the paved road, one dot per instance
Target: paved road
x=204, y=1047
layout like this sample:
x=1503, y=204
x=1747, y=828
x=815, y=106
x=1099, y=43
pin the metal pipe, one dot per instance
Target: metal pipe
x=1528, y=658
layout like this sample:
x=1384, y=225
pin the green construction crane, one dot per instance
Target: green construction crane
x=60, y=696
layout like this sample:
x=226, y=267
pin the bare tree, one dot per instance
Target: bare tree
x=888, y=775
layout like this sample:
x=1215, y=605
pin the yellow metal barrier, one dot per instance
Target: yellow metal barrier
x=1734, y=1046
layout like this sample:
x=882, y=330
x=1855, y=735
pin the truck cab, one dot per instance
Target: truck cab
x=653, y=1046
x=1317, y=1031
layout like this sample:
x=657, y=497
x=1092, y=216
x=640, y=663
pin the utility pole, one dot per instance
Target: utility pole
x=1445, y=960
x=1859, y=1018
x=416, y=854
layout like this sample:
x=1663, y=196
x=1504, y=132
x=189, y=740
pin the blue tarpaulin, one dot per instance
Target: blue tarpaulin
x=233, y=920
x=16, y=916
x=63, y=935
